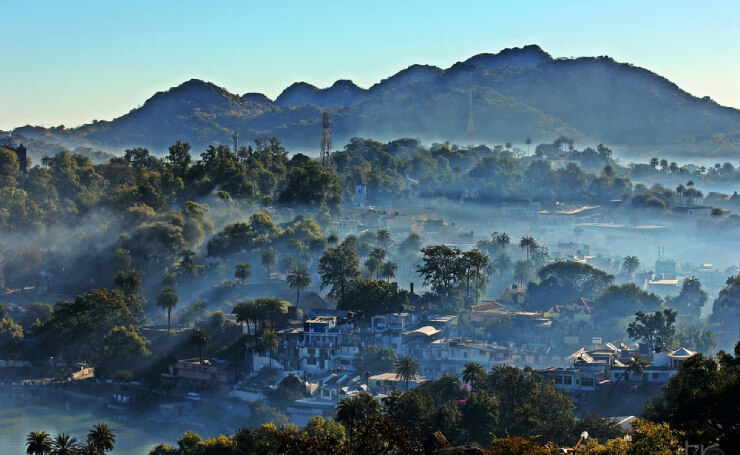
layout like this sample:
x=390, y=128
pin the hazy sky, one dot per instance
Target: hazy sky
x=69, y=62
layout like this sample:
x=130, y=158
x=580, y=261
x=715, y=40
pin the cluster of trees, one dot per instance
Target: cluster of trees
x=100, y=440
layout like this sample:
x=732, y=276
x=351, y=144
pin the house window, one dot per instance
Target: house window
x=656, y=375
x=567, y=380
x=587, y=382
x=558, y=379
x=465, y=354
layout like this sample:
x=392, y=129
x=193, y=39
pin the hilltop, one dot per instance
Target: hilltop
x=517, y=93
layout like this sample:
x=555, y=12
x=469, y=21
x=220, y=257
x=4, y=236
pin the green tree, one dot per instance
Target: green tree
x=247, y=312
x=383, y=237
x=528, y=244
x=474, y=374
x=352, y=410
x=268, y=259
x=388, y=270
x=102, y=437
x=630, y=264
x=480, y=415
x=635, y=365
x=123, y=349
x=242, y=271
x=200, y=338
x=270, y=341
x=298, y=279
x=407, y=368
x=566, y=282
x=691, y=299
x=128, y=281
x=318, y=426
x=375, y=360
x=652, y=326
x=167, y=300
x=339, y=268
x=38, y=443
x=11, y=336
x=373, y=297
x=64, y=444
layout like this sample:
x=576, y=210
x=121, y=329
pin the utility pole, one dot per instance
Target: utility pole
x=471, y=123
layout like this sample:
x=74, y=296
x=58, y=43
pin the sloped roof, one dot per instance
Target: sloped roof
x=427, y=330
x=681, y=353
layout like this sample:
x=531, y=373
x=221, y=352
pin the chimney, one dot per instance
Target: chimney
x=411, y=288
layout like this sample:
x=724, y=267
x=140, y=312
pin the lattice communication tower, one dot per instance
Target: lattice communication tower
x=326, y=140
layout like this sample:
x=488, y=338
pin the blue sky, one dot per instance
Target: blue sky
x=69, y=62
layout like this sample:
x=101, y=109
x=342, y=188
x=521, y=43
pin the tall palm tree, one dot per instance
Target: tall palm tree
x=242, y=271
x=167, y=300
x=270, y=341
x=501, y=240
x=38, y=443
x=375, y=261
x=503, y=263
x=474, y=374
x=245, y=313
x=63, y=444
x=383, y=237
x=388, y=270
x=635, y=365
x=478, y=261
x=630, y=264
x=527, y=243
x=298, y=279
x=268, y=259
x=407, y=368
x=521, y=270
x=200, y=338
x=102, y=437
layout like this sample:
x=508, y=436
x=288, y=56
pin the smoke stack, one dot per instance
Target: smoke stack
x=411, y=288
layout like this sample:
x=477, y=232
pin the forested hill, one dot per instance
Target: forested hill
x=517, y=93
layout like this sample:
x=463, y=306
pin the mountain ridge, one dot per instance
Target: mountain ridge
x=517, y=93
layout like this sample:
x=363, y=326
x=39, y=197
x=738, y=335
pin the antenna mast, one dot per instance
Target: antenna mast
x=326, y=141
x=471, y=124
x=235, y=137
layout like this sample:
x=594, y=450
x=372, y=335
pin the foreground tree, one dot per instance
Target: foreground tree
x=64, y=444
x=38, y=443
x=649, y=327
x=102, y=437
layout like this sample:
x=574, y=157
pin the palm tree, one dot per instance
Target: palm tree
x=630, y=264
x=102, y=437
x=63, y=444
x=245, y=313
x=268, y=259
x=356, y=407
x=501, y=240
x=298, y=279
x=680, y=190
x=474, y=374
x=528, y=141
x=407, y=368
x=654, y=162
x=270, y=341
x=527, y=243
x=167, y=300
x=503, y=262
x=635, y=365
x=38, y=443
x=478, y=260
x=383, y=237
x=375, y=261
x=521, y=269
x=716, y=214
x=200, y=338
x=242, y=271
x=388, y=270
